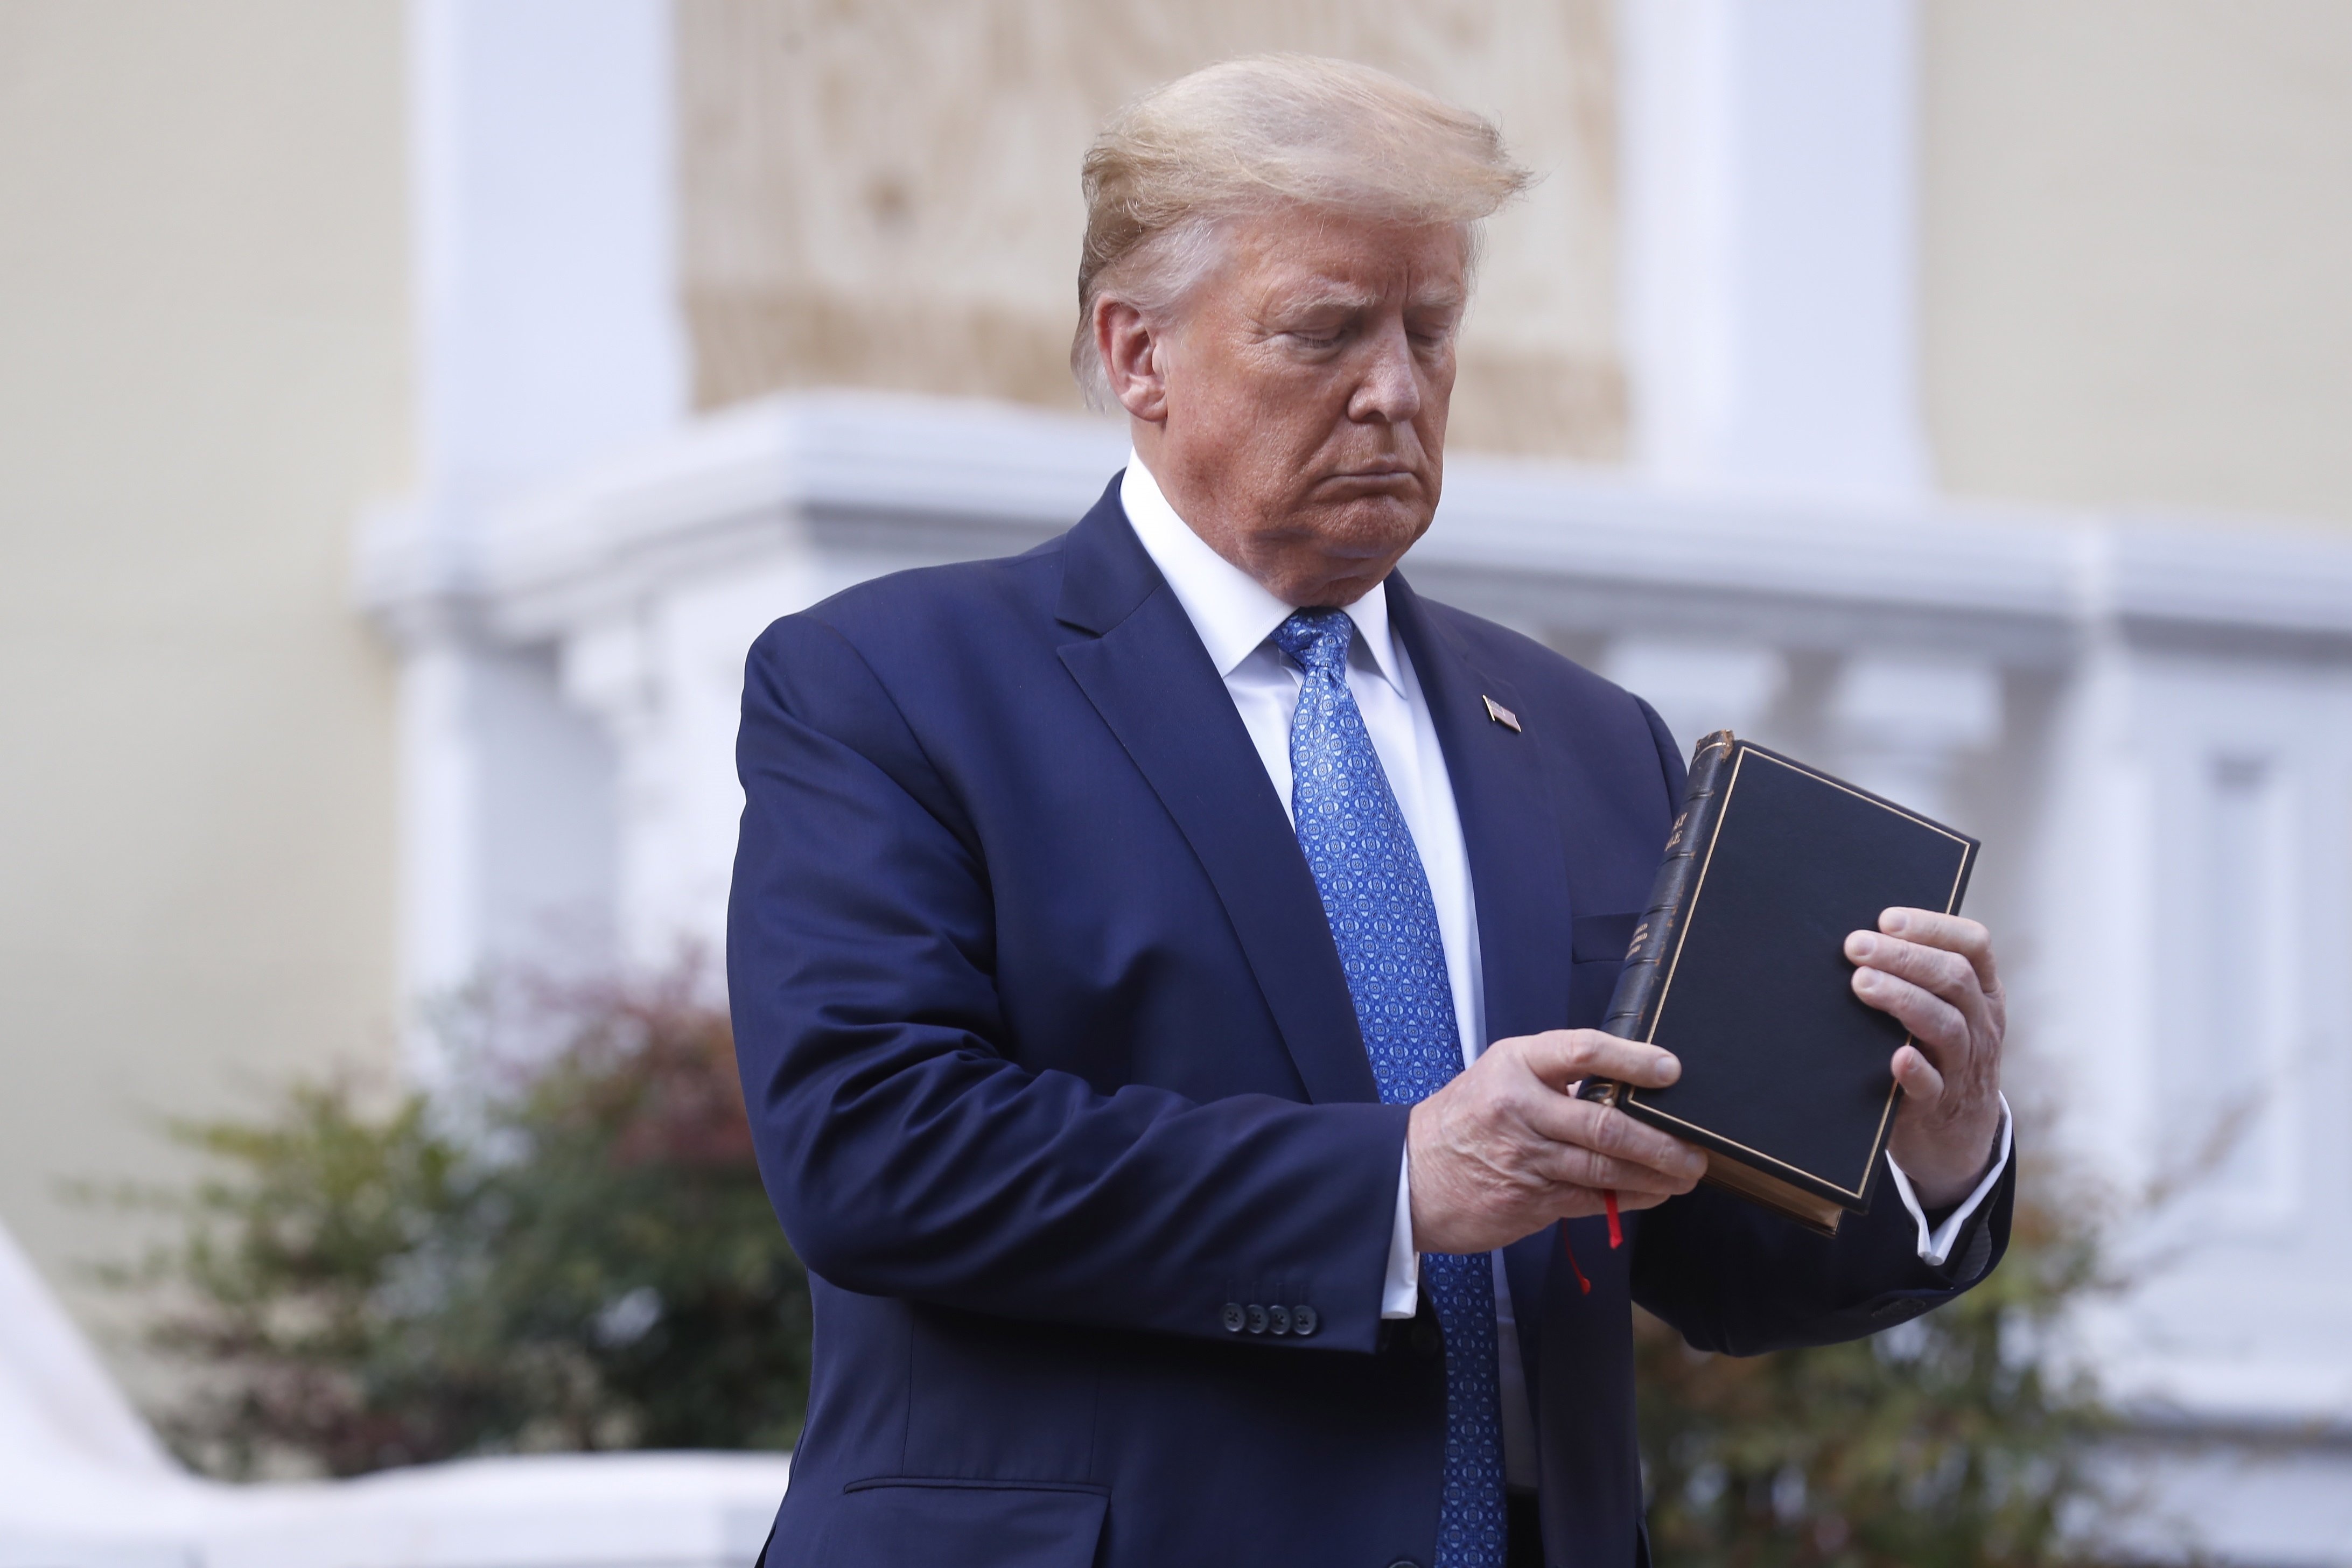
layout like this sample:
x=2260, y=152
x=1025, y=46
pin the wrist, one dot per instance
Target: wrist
x=1944, y=1172
x=1416, y=1130
x=1442, y=1212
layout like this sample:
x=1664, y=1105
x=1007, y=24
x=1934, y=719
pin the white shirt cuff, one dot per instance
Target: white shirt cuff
x=1936, y=1245
x=1401, y=1291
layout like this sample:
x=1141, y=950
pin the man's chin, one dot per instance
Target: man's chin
x=1335, y=570
x=1369, y=528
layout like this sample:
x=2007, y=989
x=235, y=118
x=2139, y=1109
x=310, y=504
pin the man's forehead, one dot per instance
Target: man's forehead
x=1309, y=249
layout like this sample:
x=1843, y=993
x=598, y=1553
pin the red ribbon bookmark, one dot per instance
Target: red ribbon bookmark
x=1570, y=1248
x=1616, y=1239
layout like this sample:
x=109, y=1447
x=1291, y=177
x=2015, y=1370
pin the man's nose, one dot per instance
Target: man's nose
x=1389, y=392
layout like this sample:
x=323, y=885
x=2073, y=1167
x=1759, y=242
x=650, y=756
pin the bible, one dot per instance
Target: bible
x=1739, y=968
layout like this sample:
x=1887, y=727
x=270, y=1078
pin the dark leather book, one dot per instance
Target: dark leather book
x=1738, y=967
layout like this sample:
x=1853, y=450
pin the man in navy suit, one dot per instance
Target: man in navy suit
x=1159, y=960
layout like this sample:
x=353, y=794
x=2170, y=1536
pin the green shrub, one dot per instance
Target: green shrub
x=574, y=1256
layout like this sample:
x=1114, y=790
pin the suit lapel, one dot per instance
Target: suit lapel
x=1510, y=825
x=1145, y=673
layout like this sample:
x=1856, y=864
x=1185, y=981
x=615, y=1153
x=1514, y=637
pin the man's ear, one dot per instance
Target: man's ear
x=1135, y=358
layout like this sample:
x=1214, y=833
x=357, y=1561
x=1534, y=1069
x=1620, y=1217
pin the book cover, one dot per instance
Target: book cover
x=1738, y=967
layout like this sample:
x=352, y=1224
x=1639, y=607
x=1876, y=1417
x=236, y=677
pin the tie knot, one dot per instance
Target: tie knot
x=1317, y=639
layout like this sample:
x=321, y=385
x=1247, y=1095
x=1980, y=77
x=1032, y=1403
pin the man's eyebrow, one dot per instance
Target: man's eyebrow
x=1324, y=297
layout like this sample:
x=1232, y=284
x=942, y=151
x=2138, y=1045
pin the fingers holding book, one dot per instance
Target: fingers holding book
x=1502, y=1151
x=1935, y=974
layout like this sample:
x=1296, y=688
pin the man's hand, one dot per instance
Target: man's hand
x=1504, y=1149
x=1934, y=972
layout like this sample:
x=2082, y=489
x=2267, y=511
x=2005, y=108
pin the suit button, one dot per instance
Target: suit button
x=1236, y=1318
x=1405, y=1562
x=1303, y=1320
x=1256, y=1319
x=1279, y=1318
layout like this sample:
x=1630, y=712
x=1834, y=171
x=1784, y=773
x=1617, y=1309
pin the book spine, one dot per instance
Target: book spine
x=1633, y=1005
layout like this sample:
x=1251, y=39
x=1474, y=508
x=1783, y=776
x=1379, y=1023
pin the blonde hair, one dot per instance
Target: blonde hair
x=1169, y=171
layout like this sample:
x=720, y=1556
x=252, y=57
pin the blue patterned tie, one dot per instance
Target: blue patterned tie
x=1376, y=897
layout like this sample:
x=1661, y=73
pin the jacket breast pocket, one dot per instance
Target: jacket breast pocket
x=892, y=1522
x=1597, y=951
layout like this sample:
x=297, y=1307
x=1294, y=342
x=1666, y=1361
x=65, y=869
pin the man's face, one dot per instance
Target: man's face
x=1300, y=402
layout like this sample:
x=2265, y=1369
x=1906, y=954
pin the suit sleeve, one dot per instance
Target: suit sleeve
x=906, y=1155
x=1733, y=1277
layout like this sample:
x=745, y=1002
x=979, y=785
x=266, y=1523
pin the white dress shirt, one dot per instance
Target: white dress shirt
x=1235, y=616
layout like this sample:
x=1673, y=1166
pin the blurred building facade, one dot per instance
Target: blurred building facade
x=1956, y=391
x=205, y=364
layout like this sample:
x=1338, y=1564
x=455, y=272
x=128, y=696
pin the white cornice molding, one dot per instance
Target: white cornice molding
x=1538, y=544
x=2220, y=575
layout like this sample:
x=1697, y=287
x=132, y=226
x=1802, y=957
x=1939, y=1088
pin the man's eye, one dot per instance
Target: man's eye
x=1317, y=340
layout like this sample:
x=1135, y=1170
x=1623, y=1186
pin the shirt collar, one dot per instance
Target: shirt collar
x=1232, y=611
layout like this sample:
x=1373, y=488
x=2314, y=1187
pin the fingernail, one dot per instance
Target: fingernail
x=1671, y=1067
x=1858, y=945
x=1892, y=921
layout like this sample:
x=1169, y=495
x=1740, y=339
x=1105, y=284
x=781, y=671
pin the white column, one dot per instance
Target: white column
x=1902, y=724
x=616, y=670
x=440, y=809
x=547, y=312
x=1769, y=208
x=547, y=332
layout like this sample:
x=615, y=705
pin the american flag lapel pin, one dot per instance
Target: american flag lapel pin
x=1500, y=714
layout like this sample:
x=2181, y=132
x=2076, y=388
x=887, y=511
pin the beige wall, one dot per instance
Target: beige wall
x=2139, y=251
x=202, y=342
x=887, y=194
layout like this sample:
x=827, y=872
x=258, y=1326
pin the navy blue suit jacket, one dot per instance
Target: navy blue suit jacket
x=1050, y=1058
